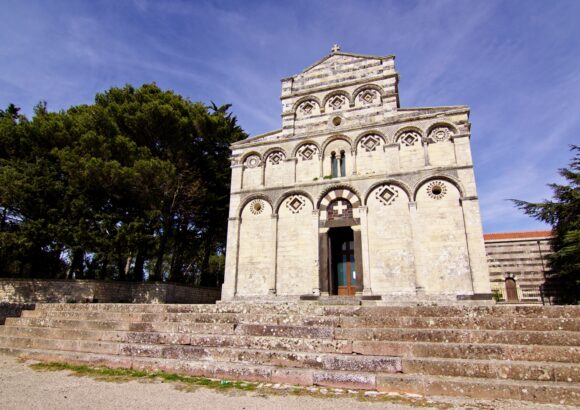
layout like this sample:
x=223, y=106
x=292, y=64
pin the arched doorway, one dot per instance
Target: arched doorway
x=343, y=276
x=511, y=290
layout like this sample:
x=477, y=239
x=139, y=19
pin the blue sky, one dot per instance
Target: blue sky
x=515, y=63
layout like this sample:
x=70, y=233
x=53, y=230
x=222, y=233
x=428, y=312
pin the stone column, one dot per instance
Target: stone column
x=316, y=272
x=425, y=144
x=462, y=149
x=366, y=265
x=358, y=263
x=353, y=154
x=417, y=257
x=237, y=177
x=273, y=289
x=229, y=287
x=392, y=158
x=323, y=255
x=475, y=245
x=294, y=164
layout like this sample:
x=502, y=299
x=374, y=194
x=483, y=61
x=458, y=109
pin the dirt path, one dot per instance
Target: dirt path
x=24, y=388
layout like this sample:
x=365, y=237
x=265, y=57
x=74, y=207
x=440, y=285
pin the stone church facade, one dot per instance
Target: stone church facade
x=355, y=196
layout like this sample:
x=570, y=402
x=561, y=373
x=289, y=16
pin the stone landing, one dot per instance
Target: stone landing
x=529, y=353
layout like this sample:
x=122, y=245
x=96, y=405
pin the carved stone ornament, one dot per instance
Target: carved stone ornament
x=307, y=107
x=252, y=161
x=367, y=96
x=409, y=138
x=276, y=157
x=257, y=206
x=436, y=189
x=386, y=194
x=337, y=102
x=307, y=152
x=370, y=142
x=295, y=203
x=440, y=134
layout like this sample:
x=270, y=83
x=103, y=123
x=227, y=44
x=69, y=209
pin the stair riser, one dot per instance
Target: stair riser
x=494, y=370
x=569, y=395
x=490, y=323
x=311, y=309
x=268, y=358
x=469, y=351
x=562, y=338
x=295, y=320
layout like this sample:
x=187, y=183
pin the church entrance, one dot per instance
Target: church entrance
x=343, y=277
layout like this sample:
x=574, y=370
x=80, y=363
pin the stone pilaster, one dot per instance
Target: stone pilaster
x=231, y=266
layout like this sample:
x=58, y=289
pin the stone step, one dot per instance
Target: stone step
x=493, y=369
x=533, y=353
x=429, y=385
x=163, y=327
x=209, y=340
x=323, y=361
x=495, y=323
x=538, y=392
x=216, y=370
x=310, y=309
x=302, y=320
x=473, y=336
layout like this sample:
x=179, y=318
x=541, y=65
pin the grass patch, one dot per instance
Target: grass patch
x=122, y=375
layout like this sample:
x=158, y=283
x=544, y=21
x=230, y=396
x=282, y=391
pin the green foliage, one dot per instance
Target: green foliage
x=563, y=213
x=134, y=186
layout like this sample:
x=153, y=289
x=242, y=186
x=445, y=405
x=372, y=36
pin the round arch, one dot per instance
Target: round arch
x=360, y=89
x=341, y=191
x=247, y=154
x=364, y=134
x=443, y=177
x=332, y=94
x=272, y=150
x=335, y=138
x=297, y=147
x=307, y=98
x=452, y=127
x=399, y=184
x=249, y=199
x=287, y=194
x=406, y=129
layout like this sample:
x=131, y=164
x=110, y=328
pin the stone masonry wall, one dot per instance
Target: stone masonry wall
x=79, y=291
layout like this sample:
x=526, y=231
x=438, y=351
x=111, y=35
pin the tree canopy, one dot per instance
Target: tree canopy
x=563, y=213
x=132, y=187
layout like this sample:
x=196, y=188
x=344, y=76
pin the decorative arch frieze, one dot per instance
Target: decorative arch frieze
x=337, y=100
x=409, y=136
x=274, y=156
x=299, y=105
x=333, y=138
x=254, y=197
x=440, y=132
x=440, y=193
x=292, y=193
x=251, y=159
x=399, y=184
x=362, y=88
x=369, y=144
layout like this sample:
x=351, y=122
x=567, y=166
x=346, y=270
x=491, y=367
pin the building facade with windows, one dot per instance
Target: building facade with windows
x=355, y=196
x=518, y=264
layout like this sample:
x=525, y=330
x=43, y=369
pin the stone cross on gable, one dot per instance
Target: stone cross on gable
x=335, y=48
x=339, y=207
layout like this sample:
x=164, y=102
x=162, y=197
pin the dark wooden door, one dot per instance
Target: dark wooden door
x=346, y=270
x=511, y=290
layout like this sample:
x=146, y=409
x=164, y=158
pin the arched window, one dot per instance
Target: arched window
x=342, y=164
x=333, y=164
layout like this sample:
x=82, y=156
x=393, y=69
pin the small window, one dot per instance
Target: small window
x=342, y=164
x=333, y=164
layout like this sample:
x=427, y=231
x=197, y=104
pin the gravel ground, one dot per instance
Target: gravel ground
x=24, y=388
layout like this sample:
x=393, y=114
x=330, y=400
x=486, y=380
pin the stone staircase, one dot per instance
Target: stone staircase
x=529, y=353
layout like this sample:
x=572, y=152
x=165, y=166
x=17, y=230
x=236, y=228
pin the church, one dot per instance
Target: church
x=356, y=196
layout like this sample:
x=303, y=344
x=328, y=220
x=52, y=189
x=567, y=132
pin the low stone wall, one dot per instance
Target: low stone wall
x=89, y=291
